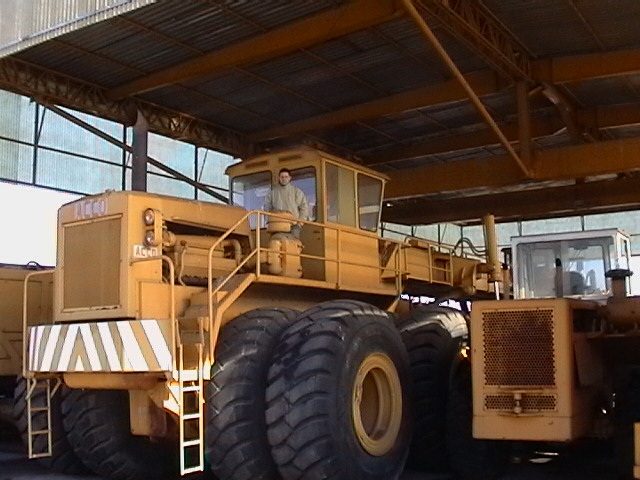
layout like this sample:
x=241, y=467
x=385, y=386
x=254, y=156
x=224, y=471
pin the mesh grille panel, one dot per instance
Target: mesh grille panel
x=528, y=403
x=92, y=264
x=519, y=347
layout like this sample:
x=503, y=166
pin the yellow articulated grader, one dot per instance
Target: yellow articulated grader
x=186, y=333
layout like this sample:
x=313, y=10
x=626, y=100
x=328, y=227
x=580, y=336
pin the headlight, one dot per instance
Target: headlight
x=149, y=238
x=149, y=216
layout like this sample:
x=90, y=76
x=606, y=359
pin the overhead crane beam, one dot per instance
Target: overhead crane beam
x=563, y=163
x=351, y=17
x=579, y=199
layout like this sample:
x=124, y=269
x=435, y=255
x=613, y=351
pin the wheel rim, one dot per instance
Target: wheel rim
x=377, y=404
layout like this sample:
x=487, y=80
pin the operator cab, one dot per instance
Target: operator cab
x=568, y=264
x=338, y=191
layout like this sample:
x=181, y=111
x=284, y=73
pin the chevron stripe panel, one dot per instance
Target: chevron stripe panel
x=121, y=346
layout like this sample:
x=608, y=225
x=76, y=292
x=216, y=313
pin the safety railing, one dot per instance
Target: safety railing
x=33, y=384
x=25, y=315
x=394, y=265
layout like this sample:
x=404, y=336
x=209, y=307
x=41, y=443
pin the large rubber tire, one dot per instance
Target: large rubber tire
x=63, y=458
x=470, y=458
x=339, y=395
x=97, y=424
x=433, y=337
x=236, y=435
x=626, y=412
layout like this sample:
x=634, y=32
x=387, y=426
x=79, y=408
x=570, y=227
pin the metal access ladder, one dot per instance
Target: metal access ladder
x=191, y=403
x=33, y=385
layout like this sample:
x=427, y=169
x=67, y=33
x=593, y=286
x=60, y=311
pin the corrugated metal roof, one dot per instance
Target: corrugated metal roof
x=36, y=21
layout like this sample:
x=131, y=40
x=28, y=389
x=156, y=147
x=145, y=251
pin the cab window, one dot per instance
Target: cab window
x=369, y=193
x=305, y=180
x=340, y=195
x=249, y=191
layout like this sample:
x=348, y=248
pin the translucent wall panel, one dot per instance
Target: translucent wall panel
x=426, y=231
x=177, y=155
x=15, y=161
x=209, y=198
x=61, y=134
x=628, y=222
x=211, y=167
x=76, y=174
x=395, y=231
x=17, y=116
x=552, y=225
x=169, y=186
x=635, y=249
x=450, y=233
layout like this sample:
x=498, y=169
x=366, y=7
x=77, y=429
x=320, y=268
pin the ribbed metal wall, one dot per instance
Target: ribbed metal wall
x=24, y=23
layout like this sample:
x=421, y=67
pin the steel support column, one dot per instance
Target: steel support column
x=139, y=154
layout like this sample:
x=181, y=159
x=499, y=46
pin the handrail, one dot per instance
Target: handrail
x=25, y=294
x=258, y=248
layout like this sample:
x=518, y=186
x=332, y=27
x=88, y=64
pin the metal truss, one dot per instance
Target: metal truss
x=54, y=88
x=471, y=22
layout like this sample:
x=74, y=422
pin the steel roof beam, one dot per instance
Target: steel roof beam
x=591, y=119
x=579, y=199
x=354, y=16
x=540, y=127
x=563, y=163
x=576, y=68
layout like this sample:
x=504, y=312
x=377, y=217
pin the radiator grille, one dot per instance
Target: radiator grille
x=91, y=264
x=528, y=403
x=519, y=347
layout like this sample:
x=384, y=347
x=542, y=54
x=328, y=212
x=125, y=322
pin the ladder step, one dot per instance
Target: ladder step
x=193, y=388
x=198, y=468
x=41, y=455
x=191, y=416
x=191, y=443
x=188, y=375
x=39, y=409
x=39, y=432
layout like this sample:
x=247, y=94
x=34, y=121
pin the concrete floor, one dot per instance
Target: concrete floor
x=591, y=461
